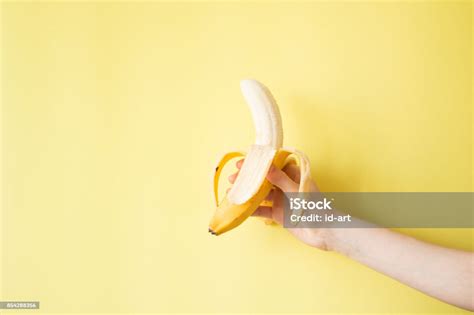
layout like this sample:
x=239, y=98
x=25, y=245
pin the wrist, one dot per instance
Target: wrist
x=333, y=239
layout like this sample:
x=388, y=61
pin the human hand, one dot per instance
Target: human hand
x=286, y=180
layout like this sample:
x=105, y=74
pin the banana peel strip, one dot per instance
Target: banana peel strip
x=302, y=161
x=220, y=166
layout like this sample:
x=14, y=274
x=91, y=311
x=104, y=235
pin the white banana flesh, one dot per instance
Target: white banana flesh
x=252, y=173
x=265, y=113
x=269, y=139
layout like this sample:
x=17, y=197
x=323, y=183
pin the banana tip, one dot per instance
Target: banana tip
x=211, y=231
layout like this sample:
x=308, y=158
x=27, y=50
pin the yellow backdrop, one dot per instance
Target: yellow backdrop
x=114, y=115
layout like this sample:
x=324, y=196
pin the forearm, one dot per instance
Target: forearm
x=446, y=274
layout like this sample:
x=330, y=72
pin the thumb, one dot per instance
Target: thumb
x=279, y=178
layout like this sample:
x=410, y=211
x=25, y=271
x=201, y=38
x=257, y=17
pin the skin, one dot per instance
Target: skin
x=443, y=273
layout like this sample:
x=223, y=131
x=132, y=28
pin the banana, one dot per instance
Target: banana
x=251, y=187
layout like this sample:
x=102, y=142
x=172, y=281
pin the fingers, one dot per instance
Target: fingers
x=269, y=213
x=286, y=179
x=263, y=212
x=293, y=172
x=291, y=169
x=274, y=213
x=270, y=195
x=233, y=177
x=281, y=180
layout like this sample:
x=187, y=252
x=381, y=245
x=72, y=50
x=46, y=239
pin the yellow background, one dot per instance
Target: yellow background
x=114, y=115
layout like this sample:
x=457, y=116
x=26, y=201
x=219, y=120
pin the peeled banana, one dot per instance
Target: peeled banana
x=251, y=187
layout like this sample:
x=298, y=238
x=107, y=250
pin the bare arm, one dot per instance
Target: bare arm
x=444, y=273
